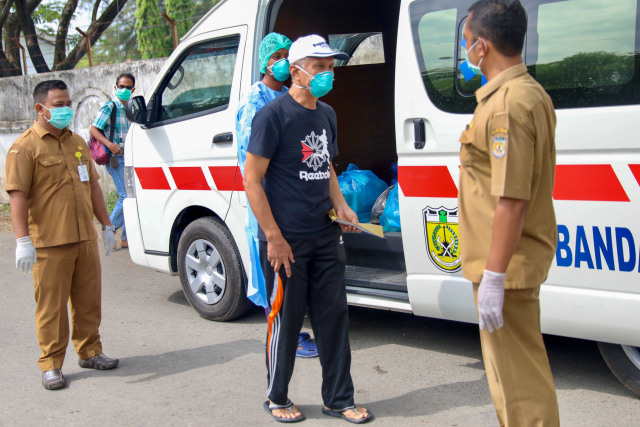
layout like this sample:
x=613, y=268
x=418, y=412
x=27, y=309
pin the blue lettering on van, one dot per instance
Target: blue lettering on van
x=615, y=247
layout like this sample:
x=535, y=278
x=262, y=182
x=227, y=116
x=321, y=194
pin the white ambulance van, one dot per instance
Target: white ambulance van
x=402, y=99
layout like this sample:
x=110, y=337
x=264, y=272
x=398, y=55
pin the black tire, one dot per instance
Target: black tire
x=211, y=270
x=624, y=362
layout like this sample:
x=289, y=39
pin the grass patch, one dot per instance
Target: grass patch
x=5, y=208
x=111, y=198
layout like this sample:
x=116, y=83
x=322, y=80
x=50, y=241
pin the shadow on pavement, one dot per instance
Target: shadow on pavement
x=575, y=364
x=432, y=400
x=156, y=366
x=179, y=298
x=254, y=315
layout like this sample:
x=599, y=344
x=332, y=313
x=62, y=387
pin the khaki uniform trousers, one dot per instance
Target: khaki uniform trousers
x=67, y=273
x=516, y=363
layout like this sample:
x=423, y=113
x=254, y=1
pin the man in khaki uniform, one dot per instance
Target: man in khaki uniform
x=54, y=193
x=507, y=222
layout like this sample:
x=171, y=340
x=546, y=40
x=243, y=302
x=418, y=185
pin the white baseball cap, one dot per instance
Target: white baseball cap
x=312, y=45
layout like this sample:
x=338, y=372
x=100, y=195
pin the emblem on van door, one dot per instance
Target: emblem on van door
x=441, y=235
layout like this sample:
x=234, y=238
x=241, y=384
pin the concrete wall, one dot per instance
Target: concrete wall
x=89, y=89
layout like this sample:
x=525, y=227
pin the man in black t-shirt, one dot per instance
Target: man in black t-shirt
x=291, y=186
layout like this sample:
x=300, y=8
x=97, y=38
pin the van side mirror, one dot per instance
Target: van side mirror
x=136, y=110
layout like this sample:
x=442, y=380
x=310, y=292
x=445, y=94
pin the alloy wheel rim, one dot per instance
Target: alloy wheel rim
x=205, y=271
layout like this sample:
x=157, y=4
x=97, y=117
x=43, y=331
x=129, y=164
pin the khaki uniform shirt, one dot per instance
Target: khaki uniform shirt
x=46, y=170
x=508, y=150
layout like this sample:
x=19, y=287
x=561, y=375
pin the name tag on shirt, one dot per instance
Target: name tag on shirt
x=84, y=174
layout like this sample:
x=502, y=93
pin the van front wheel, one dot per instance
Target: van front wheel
x=624, y=362
x=210, y=270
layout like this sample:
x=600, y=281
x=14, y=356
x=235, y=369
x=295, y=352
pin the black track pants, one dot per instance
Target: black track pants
x=317, y=281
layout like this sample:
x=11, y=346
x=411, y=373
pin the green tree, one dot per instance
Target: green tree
x=181, y=11
x=150, y=30
x=119, y=42
x=54, y=17
x=155, y=36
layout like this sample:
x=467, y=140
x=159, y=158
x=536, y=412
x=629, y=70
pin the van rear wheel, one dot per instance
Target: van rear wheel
x=211, y=270
x=624, y=362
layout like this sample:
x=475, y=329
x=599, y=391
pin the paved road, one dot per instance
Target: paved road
x=179, y=369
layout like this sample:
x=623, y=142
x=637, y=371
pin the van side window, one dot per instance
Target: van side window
x=591, y=62
x=584, y=53
x=434, y=34
x=201, y=80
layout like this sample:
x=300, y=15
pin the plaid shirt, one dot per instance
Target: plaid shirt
x=103, y=121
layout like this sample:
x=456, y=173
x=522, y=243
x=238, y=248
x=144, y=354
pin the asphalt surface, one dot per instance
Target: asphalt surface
x=179, y=369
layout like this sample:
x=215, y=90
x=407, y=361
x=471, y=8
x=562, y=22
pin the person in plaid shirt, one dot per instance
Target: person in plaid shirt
x=101, y=129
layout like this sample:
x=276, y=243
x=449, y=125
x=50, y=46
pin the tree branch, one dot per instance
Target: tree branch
x=60, y=49
x=4, y=13
x=7, y=69
x=32, y=4
x=94, y=32
x=10, y=28
x=94, y=12
x=29, y=31
x=10, y=63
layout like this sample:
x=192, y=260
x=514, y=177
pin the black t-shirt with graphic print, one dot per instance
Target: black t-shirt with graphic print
x=300, y=144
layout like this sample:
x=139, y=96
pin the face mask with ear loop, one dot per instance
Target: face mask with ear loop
x=475, y=68
x=321, y=84
x=468, y=69
x=60, y=117
x=123, y=93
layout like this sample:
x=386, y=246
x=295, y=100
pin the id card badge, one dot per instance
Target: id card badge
x=84, y=174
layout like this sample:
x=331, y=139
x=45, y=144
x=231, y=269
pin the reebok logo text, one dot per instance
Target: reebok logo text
x=314, y=176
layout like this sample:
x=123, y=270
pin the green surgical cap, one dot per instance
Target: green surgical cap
x=270, y=44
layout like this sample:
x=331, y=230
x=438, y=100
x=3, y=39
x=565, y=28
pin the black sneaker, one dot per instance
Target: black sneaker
x=99, y=361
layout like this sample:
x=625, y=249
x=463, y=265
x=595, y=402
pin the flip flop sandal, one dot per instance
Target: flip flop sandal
x=269, y=407
x=340, y=414
x=306, y=347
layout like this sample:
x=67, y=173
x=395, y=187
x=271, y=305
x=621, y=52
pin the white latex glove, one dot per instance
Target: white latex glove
x=109, y=239
x=25, y=254
x=491, y=300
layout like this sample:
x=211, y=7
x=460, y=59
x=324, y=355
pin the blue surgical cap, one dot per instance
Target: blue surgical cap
x=270, y=44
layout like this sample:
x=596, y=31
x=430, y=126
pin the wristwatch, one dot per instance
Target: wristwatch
x=109, y=227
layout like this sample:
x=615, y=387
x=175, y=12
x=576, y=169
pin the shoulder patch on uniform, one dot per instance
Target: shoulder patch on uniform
x=14, y=152
x=499, y=130
x=499, y=146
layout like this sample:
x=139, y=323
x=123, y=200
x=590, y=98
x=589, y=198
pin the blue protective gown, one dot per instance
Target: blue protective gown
x=253, y=100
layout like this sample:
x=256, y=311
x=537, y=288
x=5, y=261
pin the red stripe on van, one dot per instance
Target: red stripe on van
x=426, y=181
x=152, y=179
x=635, y=170
x=588, y=183
x=189, y=178
x=227, y=178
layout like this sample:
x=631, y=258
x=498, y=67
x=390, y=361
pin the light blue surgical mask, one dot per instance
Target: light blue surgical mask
x=321, y=84
x=475, y=68
x=60, y=117
x=123, y=94
x=280, y=69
